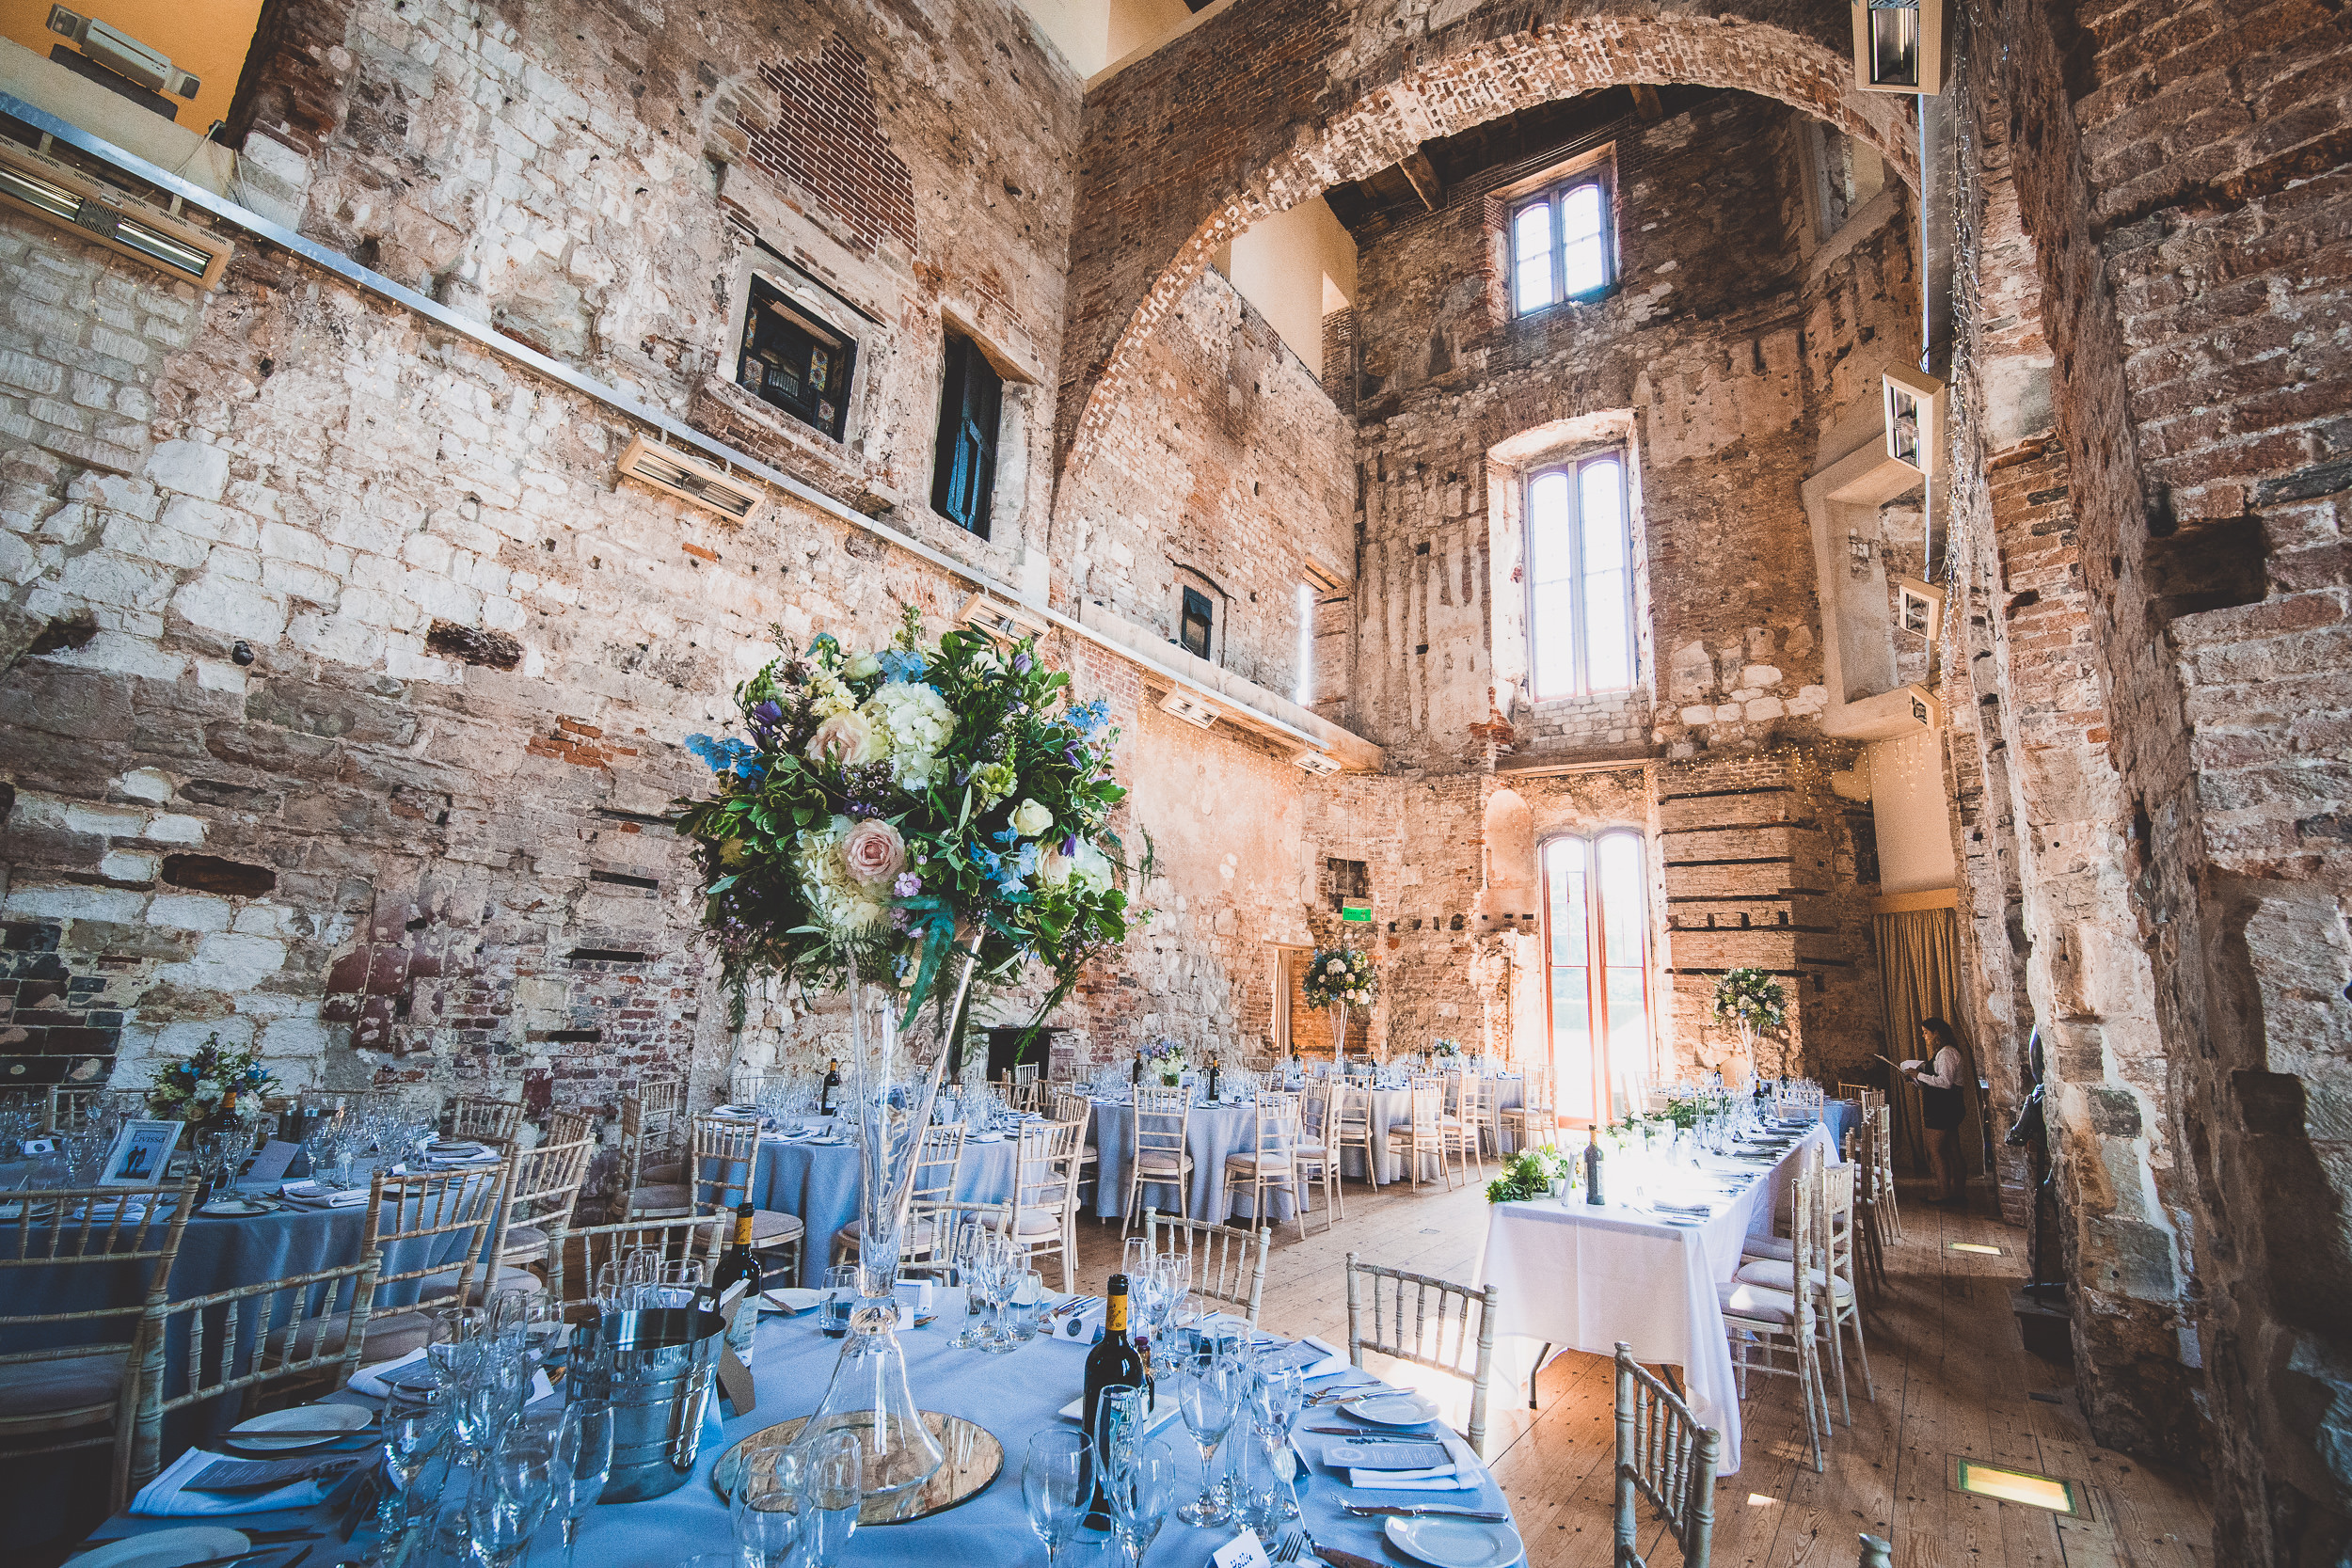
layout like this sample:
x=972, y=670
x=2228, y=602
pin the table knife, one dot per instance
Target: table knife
x=1369, y=1511
x=1362, y=1436
x=1345, y=1559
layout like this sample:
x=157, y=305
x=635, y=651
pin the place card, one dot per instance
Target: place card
x=1387, y=1456
x=276, y=1159
x=1243, y=1551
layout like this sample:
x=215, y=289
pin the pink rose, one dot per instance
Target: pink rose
x=845, y=738
x=873, y=851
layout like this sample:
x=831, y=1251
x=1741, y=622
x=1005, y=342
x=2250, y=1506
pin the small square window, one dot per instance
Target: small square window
x=792, y=360
x=1197, y=630
x=1563, y=242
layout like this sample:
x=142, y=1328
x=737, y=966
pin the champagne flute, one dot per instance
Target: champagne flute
x=583, y=1462
x=1140, y=1479
x=832, y=1488
x=1056, y=1479
x=767, y=1515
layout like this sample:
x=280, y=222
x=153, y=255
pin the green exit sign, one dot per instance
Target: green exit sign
x=1360, y=912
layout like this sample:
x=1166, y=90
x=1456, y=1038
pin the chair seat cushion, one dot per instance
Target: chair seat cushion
x=1310, y=1151
x=659, y=1197
x=1032, y=1223
x=664, y=1173
x=1774, y=1275
x=389, y=1333
x=86, y=1384
x=528, y=1239
x=433, y=1287
x=1252, y=1161
x=1755, y=1303
x=1164, y=1162
x=774, y=1228
x=1780, y=1247
x=921, y=1236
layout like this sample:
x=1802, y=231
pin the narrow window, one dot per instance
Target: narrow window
x=1562, y=246
x=1597, y=957
x=1199, y=624
x=794, y=361
x=1579, y=597
x=1305, y=694
x=963, y=470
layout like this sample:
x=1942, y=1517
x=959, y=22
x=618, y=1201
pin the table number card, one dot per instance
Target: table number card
x=273, y=1163
x=141, y=1151
x=1243, y=1551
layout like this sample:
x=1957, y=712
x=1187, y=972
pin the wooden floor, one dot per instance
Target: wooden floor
x=1952, y=1379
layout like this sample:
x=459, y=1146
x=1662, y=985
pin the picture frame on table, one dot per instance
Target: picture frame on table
x=141, y=1154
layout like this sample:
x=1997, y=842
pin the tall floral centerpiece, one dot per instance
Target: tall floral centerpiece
x=911, y=826
x=1339, y=978
x=1754, y=1002
x=217, y=1088
x=1165, y=1059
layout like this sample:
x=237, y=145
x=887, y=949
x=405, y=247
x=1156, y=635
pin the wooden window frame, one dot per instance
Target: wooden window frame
x=963, y=457
x=1596, y=169
x=763, y=299
x=1595, y=961
x=1573, y=467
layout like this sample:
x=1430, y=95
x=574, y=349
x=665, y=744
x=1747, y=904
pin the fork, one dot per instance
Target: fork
x=1293, y=1545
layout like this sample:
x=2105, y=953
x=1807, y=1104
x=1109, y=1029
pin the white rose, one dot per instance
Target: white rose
x=1031, y=820
x=1335, y=967
x=1088, y=867
x=862, y=666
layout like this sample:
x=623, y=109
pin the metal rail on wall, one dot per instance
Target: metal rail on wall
x=235, y=214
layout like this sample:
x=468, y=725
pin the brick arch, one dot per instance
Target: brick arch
x=1248, y=116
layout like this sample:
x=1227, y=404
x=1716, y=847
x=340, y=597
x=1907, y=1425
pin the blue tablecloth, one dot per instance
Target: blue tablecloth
x=1012, y=1396
x=821, y=1183
x=1840, y=1117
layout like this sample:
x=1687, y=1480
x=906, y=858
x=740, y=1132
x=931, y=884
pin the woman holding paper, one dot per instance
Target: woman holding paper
x=1941, y=1107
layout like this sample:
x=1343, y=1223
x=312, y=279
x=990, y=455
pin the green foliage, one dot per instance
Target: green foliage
x=1340, y=975
x=1753, y=997
x=1529, y=1175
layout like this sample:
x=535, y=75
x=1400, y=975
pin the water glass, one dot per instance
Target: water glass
x=766, y=1514
x=1028, y=1304
x=410, y=1439
x=584, y=1462
x=1057, y=1481
x=1138, y=1479
x=1210, y=1393
x=841, y=1299
x=513, y=1487
x=832, y=1488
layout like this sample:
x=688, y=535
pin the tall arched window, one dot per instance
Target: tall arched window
x=1597, y=960
x=1579, y=578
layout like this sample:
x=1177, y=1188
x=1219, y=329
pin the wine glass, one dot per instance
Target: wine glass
x=1276, y=1395
x=410, y=1437
x=1056, y=1479
x=1139, y=1478
x=766, y=1514
x=832, y=1488
x=970, y=1245
x=513, y=1487
x=583, y=1462
x=1211, y=1395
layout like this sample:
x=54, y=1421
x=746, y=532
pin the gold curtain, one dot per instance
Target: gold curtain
x=1919, y=978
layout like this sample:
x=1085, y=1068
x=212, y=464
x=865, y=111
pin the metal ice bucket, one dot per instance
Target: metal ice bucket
x=656, y=1368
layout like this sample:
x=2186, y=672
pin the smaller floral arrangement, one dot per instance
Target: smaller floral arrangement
x=1529, y=1175
x=215, y=1085
x=1340, y=976
x=1448, y=1049
x=1752, y=1000
x=1166, y=1059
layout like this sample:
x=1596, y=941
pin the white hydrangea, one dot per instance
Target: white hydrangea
x=914, y=722
x=1088, y=867
x=843, y=904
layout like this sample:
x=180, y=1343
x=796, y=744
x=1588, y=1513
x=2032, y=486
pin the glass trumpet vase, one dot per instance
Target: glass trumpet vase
x=1339, y=1033
x=893, y=1075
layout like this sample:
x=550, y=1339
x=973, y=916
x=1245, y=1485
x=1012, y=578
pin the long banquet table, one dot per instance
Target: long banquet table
x=1012, y=1396
x=1583, y=1278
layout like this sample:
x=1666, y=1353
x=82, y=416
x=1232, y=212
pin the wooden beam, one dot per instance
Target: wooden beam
x=1646, y=103
x=1422, y=175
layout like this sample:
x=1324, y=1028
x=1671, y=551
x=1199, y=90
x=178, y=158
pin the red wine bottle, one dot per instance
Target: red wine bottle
x=1113, y=1362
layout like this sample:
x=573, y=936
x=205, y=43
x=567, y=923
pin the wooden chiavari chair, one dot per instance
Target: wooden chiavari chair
x=654, y=1185
x=1316, y=1155
x=937, y=1167
x=1270, y=1165
x=1533, y=1122
x=1228, y=1261
x=1423, y=1134
x=422, y=1219
x=1779, y=1324
x=725, y=1156
x=1443, y=1314
x=539, y=1202
x=1042, y=1217
x=574, y=1258
x=485, y=1119
x=1351, y=1124
x=1664, y=1455
x=1159, y=1153
x=1069, y=1104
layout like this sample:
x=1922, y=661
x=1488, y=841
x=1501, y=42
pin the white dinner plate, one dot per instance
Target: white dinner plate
x=236, y=1207
x=1449, y=1543
x=259, y=1433
x=790, y=1299
x=167, y=1548
x=1392, y=1409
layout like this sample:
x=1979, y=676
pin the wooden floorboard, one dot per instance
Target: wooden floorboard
x=1951, y=1375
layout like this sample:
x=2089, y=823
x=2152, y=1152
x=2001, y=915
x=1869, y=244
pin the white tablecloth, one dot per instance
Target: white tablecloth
x=1583, y=1279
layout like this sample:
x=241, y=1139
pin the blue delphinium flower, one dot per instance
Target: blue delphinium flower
x=1086, y=718
x=738, y=757
x=901, y=664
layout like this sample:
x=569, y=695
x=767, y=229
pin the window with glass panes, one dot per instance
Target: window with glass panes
x=1579, y=578
x=794, y=361
x=1596, y=968
x=1559, y=243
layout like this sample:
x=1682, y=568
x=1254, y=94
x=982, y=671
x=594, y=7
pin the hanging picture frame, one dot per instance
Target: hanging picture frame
x=141, y=1154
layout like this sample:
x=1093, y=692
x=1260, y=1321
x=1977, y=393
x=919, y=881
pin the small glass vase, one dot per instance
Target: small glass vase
x=893, y=1078
x=1339, y=1032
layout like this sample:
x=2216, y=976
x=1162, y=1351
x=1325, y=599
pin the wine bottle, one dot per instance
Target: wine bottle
x=734, y=1264
x=1592, y=1170
x=832, y=1081
x=1113, y=1362
x=1213, y=1068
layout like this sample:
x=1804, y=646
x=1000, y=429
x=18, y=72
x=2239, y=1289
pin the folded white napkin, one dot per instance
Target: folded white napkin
x=1333, y=1363
x=1465, y=1474
x=312, y=1193
x=164, y=1497
x=370, y=1380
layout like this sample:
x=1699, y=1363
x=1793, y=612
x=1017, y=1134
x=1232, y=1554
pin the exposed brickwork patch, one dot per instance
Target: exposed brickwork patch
x=826, y=140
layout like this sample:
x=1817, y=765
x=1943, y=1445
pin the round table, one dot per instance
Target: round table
x=821, y=1183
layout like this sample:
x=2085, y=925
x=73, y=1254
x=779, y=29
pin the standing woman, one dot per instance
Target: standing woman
x=1941, y=1107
